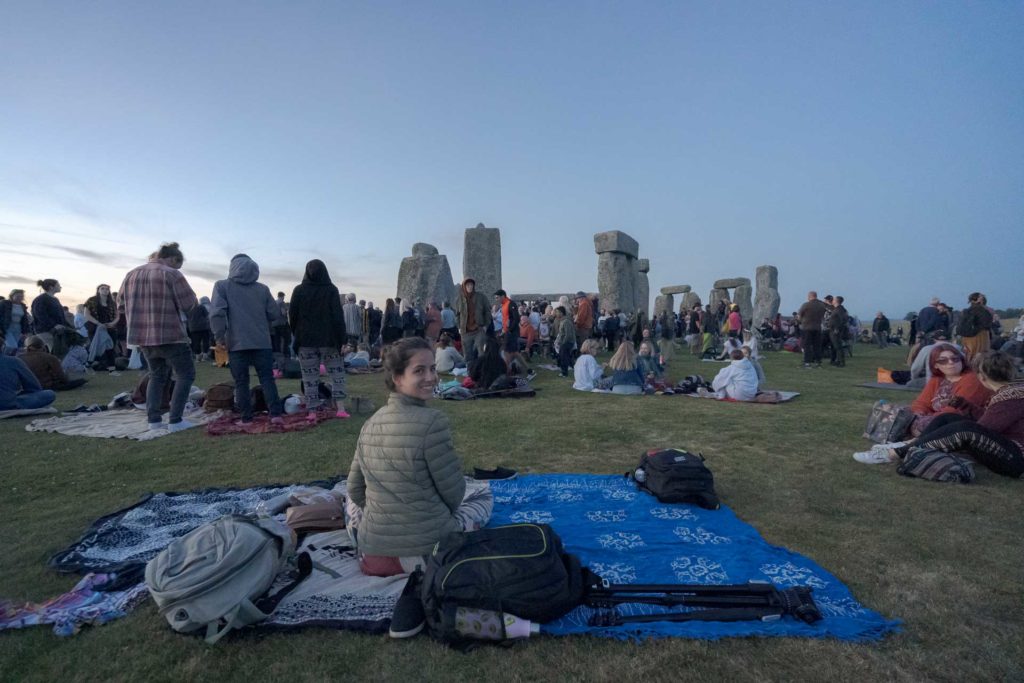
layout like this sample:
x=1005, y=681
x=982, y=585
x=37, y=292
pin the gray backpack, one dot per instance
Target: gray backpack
x=211, y=577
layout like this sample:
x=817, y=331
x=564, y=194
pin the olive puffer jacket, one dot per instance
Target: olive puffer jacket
x=407, y=478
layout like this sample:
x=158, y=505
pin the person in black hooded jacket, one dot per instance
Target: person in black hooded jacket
x=318, y=328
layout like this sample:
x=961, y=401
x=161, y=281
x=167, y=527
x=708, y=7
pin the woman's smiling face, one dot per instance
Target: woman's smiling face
x=419, y=378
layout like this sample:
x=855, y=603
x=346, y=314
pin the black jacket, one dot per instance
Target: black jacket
x=47, y=313
x=315, y=313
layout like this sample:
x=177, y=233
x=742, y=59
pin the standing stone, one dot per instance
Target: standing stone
x=766, y=299
x=716, y=296
x=426, y=276
x=617, y=270
x=642, y=286
x=664, y=303
x=481, y=258
x=743, y=298
x=690, y=299
x=676, y=289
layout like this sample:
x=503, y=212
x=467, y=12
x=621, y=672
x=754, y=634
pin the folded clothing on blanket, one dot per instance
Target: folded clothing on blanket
x=91, y=601
x=229, y=424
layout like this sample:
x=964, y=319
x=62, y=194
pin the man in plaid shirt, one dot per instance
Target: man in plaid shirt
x=156, y=300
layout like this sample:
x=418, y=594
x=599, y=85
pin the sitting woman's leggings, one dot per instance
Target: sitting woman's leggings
x=957, y=434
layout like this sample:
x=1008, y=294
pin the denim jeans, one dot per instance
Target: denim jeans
x=35, y=399
x=472, y=344
x=263, y=361
x=162, y=360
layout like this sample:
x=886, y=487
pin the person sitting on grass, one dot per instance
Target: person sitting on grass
x=446, y=356
x=748, y=354
x=648, y=362
x=587, y=372
x=953, y=388
x=406, y=490
x=489, y=366
x=19, y=388
x=626, y=375
x=995, y=441
x=737, y=380
x=729, y=344
x=47, y=368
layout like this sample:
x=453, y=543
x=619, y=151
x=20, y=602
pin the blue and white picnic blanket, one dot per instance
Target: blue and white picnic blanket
x=627, y=536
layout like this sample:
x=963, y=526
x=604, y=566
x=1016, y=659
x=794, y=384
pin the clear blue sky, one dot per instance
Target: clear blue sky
x=872, y=149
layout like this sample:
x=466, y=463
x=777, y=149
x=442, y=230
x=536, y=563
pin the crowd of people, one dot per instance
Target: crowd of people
x=406, y=488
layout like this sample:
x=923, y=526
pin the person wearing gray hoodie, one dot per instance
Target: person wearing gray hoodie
x=241, y=315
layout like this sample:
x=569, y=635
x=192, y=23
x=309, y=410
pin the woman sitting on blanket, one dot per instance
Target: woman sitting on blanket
x=587, y=372
x=737, y=380
x=748, y=354
x=953, y=388
x=406, y=489
x=729, y=344
x=626, y=375
x=489, y=366
x=996, y=440
x=446, y=356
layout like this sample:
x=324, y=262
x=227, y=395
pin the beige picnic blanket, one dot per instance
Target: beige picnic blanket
x=112, y=424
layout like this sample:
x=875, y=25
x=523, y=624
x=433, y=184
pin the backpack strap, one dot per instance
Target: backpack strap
x=243, y=614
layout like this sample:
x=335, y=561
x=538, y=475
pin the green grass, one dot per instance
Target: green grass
x=945, y=559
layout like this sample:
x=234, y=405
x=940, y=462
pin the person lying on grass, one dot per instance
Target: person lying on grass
x=406, y=489
x=953, y=388
x=996, y=440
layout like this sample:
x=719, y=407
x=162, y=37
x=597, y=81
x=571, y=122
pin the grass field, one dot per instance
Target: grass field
x=945, y=559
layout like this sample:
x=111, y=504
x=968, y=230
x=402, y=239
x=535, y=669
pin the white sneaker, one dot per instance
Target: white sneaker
x=157, y=426
x=880, y=454
x=179, y=426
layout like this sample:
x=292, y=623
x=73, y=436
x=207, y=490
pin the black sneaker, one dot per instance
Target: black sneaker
x=408, y=619
x=496, y=473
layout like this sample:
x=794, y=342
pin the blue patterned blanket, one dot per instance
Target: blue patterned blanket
x=626, y=536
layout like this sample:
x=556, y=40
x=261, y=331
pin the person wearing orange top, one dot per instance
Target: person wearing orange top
x=953, y=388
x=584, y=319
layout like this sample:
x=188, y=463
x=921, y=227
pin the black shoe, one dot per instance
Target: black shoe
x=408, y=619
x=496, y=473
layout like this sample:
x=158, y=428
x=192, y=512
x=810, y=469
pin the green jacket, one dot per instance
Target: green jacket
x=566, y=333
x=481, y=309
x=407, y=478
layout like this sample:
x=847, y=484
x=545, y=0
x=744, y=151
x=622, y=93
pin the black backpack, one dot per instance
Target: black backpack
x=521, y=569
x=676, y=476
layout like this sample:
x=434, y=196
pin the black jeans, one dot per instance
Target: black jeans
x=564, y=358
x=957, y=434
x=282, y=341
x=200, y=341
x=263, y=361
x=838, y=350
x=162, y=360
x=811, y=341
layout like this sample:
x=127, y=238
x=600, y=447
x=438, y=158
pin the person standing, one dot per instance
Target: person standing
x=880, y=330
x=282, y=333
x=155, y=299
x=838, y=331
x=15, y=322
x=318, y=325
x=565, y=339
x=353, y=320
x=975, y=326
x=811, y=315
x=584, y=318
x=433, y=323
x=374, y=317
x=449, y=324
x=474, y=316
x=47, y=312
x=241, y=315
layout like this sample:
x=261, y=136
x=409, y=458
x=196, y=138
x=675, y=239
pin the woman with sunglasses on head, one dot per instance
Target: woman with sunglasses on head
x=953, y=388
x=996, y=440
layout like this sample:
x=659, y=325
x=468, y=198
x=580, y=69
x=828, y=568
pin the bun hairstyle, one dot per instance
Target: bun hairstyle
x=47, y=284
x=170, y=250
x=398, y=355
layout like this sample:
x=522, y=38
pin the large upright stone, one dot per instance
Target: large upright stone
x=690, y=299
x=718, y=295
x=731, y=282
x=642, y=286
x=766, y=298
x=481, y=258
x=676, y=289
x=743, y=297
x=617, y=273
x=426, y=276
x=663, y=303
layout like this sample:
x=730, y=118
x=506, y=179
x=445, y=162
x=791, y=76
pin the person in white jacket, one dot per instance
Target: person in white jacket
x=737, y=380
x=587, y=372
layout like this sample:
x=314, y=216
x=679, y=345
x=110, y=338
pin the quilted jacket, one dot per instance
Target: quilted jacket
x=407, y=478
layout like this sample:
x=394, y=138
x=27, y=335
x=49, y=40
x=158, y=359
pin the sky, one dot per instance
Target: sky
x=869, y=149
